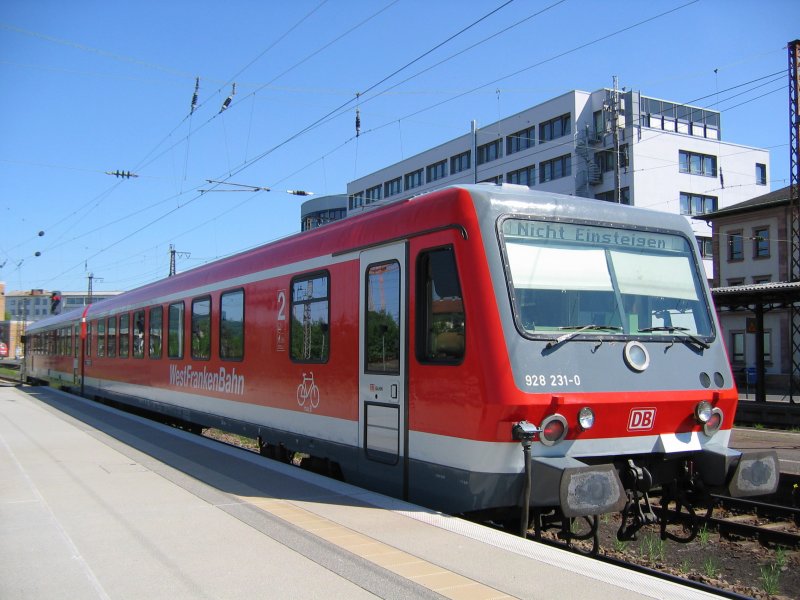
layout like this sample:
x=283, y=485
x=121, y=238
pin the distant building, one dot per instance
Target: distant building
x=671, y=157
x=32, y=305
x=752, y=273
x=322, y=210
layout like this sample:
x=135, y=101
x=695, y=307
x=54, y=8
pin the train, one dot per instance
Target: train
x=482, y=349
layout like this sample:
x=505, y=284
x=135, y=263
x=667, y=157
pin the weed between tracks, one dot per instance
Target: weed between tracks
x=741, y=566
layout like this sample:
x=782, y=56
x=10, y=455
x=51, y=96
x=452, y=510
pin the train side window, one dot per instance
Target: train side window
x=441, y=321
x=201, y=328
x=382, y=352
x=101, y=338
x=310, y=310
x=175, y=330
x=156, y=320
x=231, y=325
x=111, y=343
x=76, y=341
x=138, y=334
x=124, y=335
x=88, y=338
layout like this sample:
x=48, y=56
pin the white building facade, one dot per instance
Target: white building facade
x=606, y=145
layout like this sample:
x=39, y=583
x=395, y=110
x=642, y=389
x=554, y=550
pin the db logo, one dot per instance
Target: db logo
x=641, y=419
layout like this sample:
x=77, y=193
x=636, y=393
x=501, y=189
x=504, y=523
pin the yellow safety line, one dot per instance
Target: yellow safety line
x=422, y=572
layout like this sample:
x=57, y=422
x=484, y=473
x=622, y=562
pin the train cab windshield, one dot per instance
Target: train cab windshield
x=604, y=281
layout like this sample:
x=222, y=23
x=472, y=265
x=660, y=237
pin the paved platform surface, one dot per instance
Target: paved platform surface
x=100, y=504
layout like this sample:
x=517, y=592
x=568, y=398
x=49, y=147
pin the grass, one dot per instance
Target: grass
x=653, y=547
x=703, y=535
x=770, y=575
x=711, y=568
x=620, y=545
x=8, y=372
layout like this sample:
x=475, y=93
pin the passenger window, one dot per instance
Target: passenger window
x=101, y=338
x=440, y=318
x=156, y=319
x=175, y=324
x=383, y=318
x=124, y=335
x=138, y=334
x=111, y=349
x=231, y=325
x=201, y=329
x=310, y=318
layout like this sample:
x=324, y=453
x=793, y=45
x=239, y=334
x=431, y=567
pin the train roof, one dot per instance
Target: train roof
x=448, y=206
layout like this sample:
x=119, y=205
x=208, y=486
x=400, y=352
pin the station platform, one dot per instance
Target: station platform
x=95, y=503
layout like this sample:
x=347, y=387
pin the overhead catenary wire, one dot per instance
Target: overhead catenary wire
x=346, y=142
x=239, y=169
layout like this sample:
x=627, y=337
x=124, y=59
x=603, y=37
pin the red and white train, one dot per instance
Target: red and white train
x=415, y=347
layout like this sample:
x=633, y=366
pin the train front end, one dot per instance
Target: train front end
x=621, y=382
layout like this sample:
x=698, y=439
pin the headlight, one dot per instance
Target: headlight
x=586, y=418
x=554, y=429
x=702, y=412
x=714, y=422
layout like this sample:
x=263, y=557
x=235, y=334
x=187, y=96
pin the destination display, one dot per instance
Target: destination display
x=588, y=234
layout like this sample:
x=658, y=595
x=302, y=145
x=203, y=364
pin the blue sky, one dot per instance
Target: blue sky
x=91, y=86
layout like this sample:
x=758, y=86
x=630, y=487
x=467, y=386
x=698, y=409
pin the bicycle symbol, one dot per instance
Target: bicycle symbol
x=308, y=390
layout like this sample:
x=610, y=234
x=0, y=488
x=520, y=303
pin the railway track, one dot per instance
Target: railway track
x=746, y=518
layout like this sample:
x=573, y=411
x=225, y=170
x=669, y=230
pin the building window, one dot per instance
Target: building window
x=697, y=164
x=610, y=196
x=696, y=204
x=554, y=128
x=231, y=325
x=761, y=279
x=736, y=282
x=706, y=247
x=735, y=246
x=413, y=179
x=555, y=168
x=761, y=174
x=356, y=200
x=604, y=159
x=436, y=171
x=373, y=194
x=761, y=242
x=599, y=123
x=201, y=328
x=390, y=188
x=175, y=330
x=768, y=346
x=310, y=309
x=489, y=152
x=526, y=176
x=497, y=179
x=460, y=162
x=737, y=346
x=521, y=140
x=441, y=319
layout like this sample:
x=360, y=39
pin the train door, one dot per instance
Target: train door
x=382, y=370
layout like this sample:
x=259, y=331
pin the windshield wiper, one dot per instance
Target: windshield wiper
x=579, y=329
x=681, y=330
